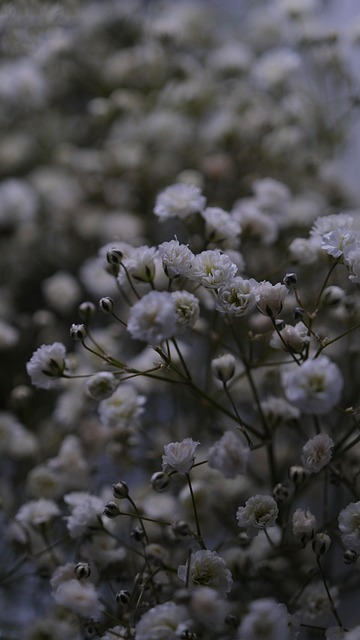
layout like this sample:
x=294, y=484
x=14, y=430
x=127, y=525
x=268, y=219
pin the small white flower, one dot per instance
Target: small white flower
x=176, y=257
x=207, y=569
x=278, y=411
x=259, y=512
x=163, y=622
x=122, y=408
x=46, y=365
x=271, y=297
x=335, y=242
x=78, y=596
x=349, y=525
x=303, y=525
x=212, y=268
x=266, y=620
x=304, y=250
x=254, y=222
x=85, y=512
x=180, y=201
x=271, y=195
x=326, y=224
x=352, y=261
x=295, y=337
x=153, y=318
x=237, y=297
x=187, y=309
x=223, y=367
x=314, y=601
x=220, y=227
x=179, y=456
x=208, y=608
x=61, y=291
x=315, y=386
x=139, y=265
x=101, y=385
x=316, y=452
x=229, y=455
x=37, y=512
x=275, y=67
x=353, y=634
x=16, y=441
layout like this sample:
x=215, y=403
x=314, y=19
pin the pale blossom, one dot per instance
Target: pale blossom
x=153, y=318
x=101, y=385
x=270, y=297
x=349, y=525
x=138, y=265
x=220, y=227
x=16, y=441
x=206, y=569
x=315, y=386
x=303, y=525
x=62, y=291
x=176, y=257
x=229, y=455
x=317, y=452
x=294, y=337
x=47, y=365
x=212, y=268
x=37, y=512
x=208, y=608
x=237, y=297
x=78, y=596
x=223, y=367
x=86, y=509
x=305, y=251
x=314, y=601
x=266, y=620
x=180, y=201
x=179, y=456
x=259, y=512
x=278, y=411
x=272, y=195
x=123, y=407
x=254, y=222
x=187, y=309
x=352, y=261
x=336, y=241
x=162, y=622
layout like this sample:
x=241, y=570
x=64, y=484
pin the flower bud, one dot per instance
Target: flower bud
x=180, y=529
x=82, y=570
x=86, y=310
x=280, y=324
x=321, y=544
x=244, y=539
x=297, y=475
x=350, y=556
x=159, y=481
x=120, y=490
x=111, y=510
x=106, y=304
x=78, y=331
x=114, y=256
x=137, y=534
x=123, y=597
x=281, y=492
x=299, y=313
x=289, y=280
x=223, y=367
x=332, y=296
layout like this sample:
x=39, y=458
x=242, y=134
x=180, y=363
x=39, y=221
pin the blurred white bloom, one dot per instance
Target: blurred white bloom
x=303, y=525
x=86, y=509
x=163, y=622
x=139, y=265
x=254, y=222
x=259, y=512
x=122, y=408
x=314, y=601
x=353, y=634
x=271, y=195
x=9, y=336
x=317, y=452
x=153, y=318
x=101, y=385
x=275, y=67
x=176, y=257
x=270, y=297
x=336, y=633
x=179, y=200
x=295, y=337
x=116, y=633
x=304, y=250
x=70, y=461
x=230, y=57
x=179, y=456
x=18, y=202
x=78, y=596
x=220, y=227
x=266, y=620
x=46, y=365
x=315, y=386
x=37, y=512
x=207, y=569
x=61, y=291
x=187, y=309
x=277, y=410
x=349, y=525
x=229, y=455
x=96, y=279
x=342, y=222
x=22, y=83
x=223, y=367
x=207, y=608
x=352, y=261
x=15, y=440
x=237, y=297
x=103, y=550
x=212, y=268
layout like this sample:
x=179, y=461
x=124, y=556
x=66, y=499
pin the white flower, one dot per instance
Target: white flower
x=208, y=608
x=259, y=512
x=179, y=456
x=46, y=365
x=349, y=525
x=295, y=337
x=271, y=297
x=212, y=268
x=303, y=525
x=187, y=309
x=315, y=386
x=266, y=620
x=163, y=622
x=15, y=440
x=314, y=601
x=271, y=194
x=153, y=318
x=223, y=367
x=229, y=455
x=78, y=596
x=352, y=261
x=221, y=227
x=101, y=385
x=176, y=257
x=335, y=242
x=37, y=512
x=237, y=297
x=316, y=452
x=85, y=512
x=207, y=569
x=122, y=408
x=326, y=224
x=254, y=222
x=278, y=411
x=179, y=200
x=139, y=265
x=9, y=336
x=304, y=250
x=353, y=634
x=61, y=291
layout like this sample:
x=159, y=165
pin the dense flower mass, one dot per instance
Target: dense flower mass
x=179, y=320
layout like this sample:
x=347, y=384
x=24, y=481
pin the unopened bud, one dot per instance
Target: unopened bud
x=297, y=475
x=120, y=490
x=290, y=279
x=137, y=534
x=350, y=556
x=123, y=597
x=111, y=510
x=106, y=304
x=159, y=481
x=78, y=331
x=180, y=529
x=281, y=492
x=86, y=310
x=223, y=367
x=299, y=313
x=321, y=544
x=114, y=256
x=82, y=570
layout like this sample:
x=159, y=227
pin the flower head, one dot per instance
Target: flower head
x=153, y=318
x=180, y=201
x=179, y=456
x=266, y=620
x=259, y=512
x=212, y=268
x=315, y=386
x=271, y=298
x=229, y=455
x=349, y=525
x=316, y=452
x=163, y=622
x=237, y=297
x=207, y=569
x=47, y=365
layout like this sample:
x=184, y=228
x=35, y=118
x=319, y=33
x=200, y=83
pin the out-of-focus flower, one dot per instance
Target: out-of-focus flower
x=314, y=601
x=77, y=596
x=315, y=386
x=101, y=385
x=153, y=318
x=179, y=456
x=303, y=525
x=37, y=512
x=220, y=227
x=349, y=525
x=207, y=569
x=86, y=509
x=163, y=621
x=294, y=337
x=229, y=455
x=61, y=291
x=266, y=620
x=123, y=407
x=46, y=365
x=180, y=201
x=316, y=452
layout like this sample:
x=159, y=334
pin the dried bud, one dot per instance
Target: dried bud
x=106, y=304
x=111, y=510
x=281, y=492
x=78, y=331
x=123, y=597
x=159, y=481
x=82, y=570
x=86, y=310
x=321, y=544
x=350, y=556
x=120, y=490
x=297, y=475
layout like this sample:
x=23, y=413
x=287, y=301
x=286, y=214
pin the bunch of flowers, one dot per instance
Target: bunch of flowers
x=185, y=312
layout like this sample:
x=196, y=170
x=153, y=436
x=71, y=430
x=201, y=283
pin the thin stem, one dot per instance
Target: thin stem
x=331, y=601
x=197, y=523
x=241, y=423
x=181, y=358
